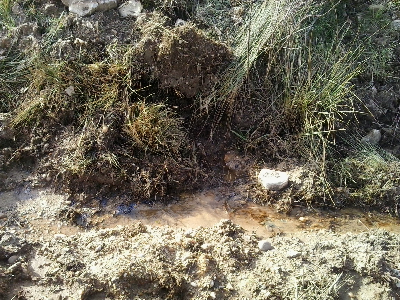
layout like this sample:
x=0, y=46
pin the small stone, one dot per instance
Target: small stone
x=293, y=253
x=213, y=295
x=59, y=236
x=211, y=284
x=273, y=180
x=351, y=295
x=12, y=259
x=396, y=25
x=98, y=248
x=264, y=245
x=132, y=8
x=373, y=137
x=303, y=219
x=193, y=284
x=205, y=246
x=70, y=91
x=180, y=22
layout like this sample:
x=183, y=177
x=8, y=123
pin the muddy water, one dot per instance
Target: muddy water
x=42, y=210
x=207, y=209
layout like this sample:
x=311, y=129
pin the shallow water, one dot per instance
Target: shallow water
x=192, y=211
x=207, y=209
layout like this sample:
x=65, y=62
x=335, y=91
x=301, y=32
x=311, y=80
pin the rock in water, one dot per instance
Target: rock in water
x=273, y=180
x=373, y=137
x=132, y=8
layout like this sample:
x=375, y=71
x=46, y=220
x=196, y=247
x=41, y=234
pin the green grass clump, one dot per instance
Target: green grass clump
x=13, y=72
x=6, y=20
x=370, y=177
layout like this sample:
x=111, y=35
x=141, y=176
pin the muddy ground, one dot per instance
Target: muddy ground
x=119, y=179
x=51, y=248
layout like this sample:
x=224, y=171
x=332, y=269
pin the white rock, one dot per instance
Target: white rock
x=264, y=245
x=273, y=180
x=293, y=253
x=87, y=7
x=396, y=25
x=59, y=236
x=213, y=295
x=132, y=8
x=180, y=22
x=373, y=137
x=70, y=91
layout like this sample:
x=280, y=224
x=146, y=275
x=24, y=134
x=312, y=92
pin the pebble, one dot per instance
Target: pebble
x=70, y=91
x=205, y=246
x=264, y=245
x=12, y=259
x=293, y=253
x=373, y=137
x=98, y=248
x=303, y=219
x=396, y=24
x=213, y=295
x=59, y=236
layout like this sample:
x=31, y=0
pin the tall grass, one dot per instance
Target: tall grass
x=266, y=29
x=6, y=20
x=306, y=77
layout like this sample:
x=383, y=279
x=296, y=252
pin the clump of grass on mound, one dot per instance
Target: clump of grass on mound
x=155, y=128
x=104, y=133
x=369, y=177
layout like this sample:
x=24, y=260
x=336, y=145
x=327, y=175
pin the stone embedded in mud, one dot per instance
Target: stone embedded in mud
x=87, y=7
x=264, y=245
x=273, y=180
x=132, y=8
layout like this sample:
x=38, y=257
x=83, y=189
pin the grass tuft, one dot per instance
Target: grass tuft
x=155, y=128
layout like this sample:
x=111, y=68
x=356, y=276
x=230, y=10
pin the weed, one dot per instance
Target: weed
x=264, y=32
x=13, y=71
x=154, y=128
x=371, y=176
x=6, y=20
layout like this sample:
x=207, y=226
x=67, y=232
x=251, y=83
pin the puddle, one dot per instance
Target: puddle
x=207, y=209
x=42, y=209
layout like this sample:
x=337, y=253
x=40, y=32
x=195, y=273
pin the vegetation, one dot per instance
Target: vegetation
x=287, y=90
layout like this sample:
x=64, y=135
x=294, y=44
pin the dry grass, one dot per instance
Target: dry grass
x=155, y=128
